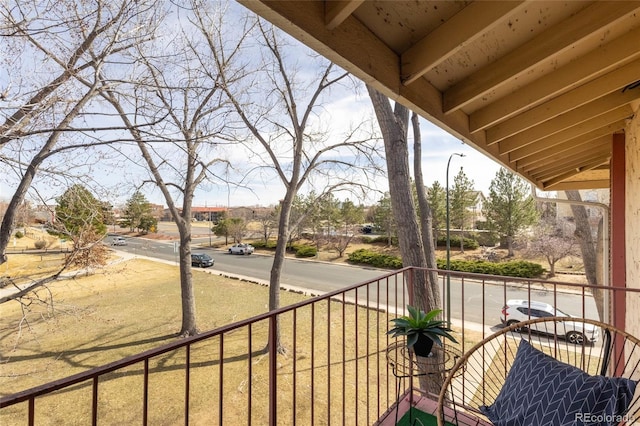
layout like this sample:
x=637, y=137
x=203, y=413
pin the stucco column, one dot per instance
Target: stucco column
x=632, y=220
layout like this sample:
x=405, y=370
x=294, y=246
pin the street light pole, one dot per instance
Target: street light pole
x=449, y=242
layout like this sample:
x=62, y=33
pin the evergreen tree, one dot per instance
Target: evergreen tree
x=383, y=217
x=437, y=200
x=509, y=208
x=222, y=228
x=78, y=210
x=461, y=198
x=137, y=213
x=80, y=216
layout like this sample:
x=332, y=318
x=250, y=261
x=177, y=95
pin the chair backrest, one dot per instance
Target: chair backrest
x=479, y=375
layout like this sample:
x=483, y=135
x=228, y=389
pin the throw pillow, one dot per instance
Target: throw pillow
x=540, y=390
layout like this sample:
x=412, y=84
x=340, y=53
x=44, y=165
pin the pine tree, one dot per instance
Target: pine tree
x=509, y=208
x=461, y=199
x=77, y=210
x=137, y=213
x=437, y=200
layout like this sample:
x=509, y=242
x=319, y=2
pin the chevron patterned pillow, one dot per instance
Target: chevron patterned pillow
x=540, y=390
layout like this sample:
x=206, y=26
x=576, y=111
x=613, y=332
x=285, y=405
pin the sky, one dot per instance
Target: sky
x=437, y=147
x=343, y=111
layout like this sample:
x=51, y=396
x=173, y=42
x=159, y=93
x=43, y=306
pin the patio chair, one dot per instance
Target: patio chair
x=546, y=372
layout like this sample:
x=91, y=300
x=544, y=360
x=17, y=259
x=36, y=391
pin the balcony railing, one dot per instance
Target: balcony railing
x=321, y=361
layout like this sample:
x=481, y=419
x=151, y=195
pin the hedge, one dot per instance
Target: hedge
x=300, y=250
x=516, y=268
x=379, y=260
x=271, y=244
x=454, y=241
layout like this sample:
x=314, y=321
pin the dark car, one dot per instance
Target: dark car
x=201, y=259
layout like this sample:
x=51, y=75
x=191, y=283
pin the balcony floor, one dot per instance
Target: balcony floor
x=422, y=403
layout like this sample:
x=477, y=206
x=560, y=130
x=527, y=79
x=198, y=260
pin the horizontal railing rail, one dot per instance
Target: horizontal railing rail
x=319, y=361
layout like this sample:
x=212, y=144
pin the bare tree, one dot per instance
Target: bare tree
x=549, y=242
x=394, y=126
x=283, y=112
x=69, y=41
x=268, y=221
x=177, y=96
x=426, y=215
x=588, y=247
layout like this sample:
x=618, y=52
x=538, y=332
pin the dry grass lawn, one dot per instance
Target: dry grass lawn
x=131, y=306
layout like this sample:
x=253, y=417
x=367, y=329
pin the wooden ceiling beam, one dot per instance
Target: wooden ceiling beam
x=605, y=58
x=603, y=93
x=551, y=42
x=564, y=129
x=578, y=184
x=337, y=11
x=565, y=150
x=530, y=150
x=548, y=184
x=453, y=35
x=572, y=165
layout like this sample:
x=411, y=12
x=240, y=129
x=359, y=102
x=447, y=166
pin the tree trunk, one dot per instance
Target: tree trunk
x=276, y=267
x=587, y=248
x=188, y=299
x=426, y=216
x=394, y=126
x=510, y=252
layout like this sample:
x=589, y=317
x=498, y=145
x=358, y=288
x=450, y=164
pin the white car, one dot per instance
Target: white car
x=516, y=311
x=241, y=249
x=118, y=241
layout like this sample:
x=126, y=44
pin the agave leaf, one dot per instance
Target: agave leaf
x=432, y=314
x=411, y=340
x=418, y=322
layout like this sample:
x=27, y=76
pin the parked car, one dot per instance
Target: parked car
x=516, y=311
x=201, y=259
x=366, y=229
x=241, y=249
x=118, y=241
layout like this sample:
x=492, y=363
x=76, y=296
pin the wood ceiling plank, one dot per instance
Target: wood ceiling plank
x=453, y=35
x=336, y=11
x=577, y=182
x=549, y=184
x=356, y=49
x=563, y=129
x=607, y=87
x=551, y=42
x=575, y=73
x=564, y=149
x=567, y=152
x=532, y=149
x=572, y=165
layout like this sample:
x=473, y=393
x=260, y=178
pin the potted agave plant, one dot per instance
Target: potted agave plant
x=421, y=330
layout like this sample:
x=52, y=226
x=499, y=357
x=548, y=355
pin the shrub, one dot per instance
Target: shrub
x=305, y=250
x=454, y=241
x=271, y=244
x=379, y=260
x=19, y=234
x=40, y=244
x=516, y=268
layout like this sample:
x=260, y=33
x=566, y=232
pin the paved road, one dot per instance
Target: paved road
x=320, y=277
